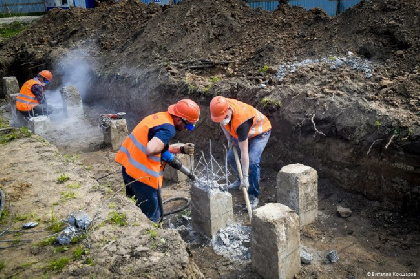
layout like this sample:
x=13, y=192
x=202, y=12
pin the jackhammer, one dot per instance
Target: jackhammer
x=118, y=115
x=176, y=164
x=106, y=120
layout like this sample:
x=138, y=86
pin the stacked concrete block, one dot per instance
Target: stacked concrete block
x=211, y=209
x=10, y=86
x=297, y=187
x=72, y=102
x=275, y=241
x=116, y=134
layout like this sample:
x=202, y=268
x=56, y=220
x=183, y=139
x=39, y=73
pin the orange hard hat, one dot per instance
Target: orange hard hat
x=46, y=74
x=219, y=108
x=186, y=109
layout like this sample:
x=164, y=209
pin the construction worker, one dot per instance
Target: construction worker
x=143, y=153
x=31, y=100
x=246, y=127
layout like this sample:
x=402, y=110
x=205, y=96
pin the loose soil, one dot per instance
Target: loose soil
x=341, y=93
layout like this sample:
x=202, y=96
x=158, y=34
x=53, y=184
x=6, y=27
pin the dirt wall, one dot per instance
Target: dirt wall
x=338, y=137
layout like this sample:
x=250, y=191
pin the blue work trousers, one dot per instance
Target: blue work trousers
x=147, y=197
x=256, y=147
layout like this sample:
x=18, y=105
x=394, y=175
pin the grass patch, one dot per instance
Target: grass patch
x=58, y=264
x=14, y=134
x=57, y=227
x=21, y=14
x=62, y=178
x=75, y=186
x=2, y=266
x=61, y=249
x=71, y=158
x=47, y=241
x=78, y=252
x=11, y=29
x=26, y=265
x=4, y=217
x=25, y=217
x=152, y=232
x=214, y=79
x=89, y=261
x=264, y=69
x=186, y=212
x=270, y=104
x=118, y=218
x=68, y=195
x=78, y=238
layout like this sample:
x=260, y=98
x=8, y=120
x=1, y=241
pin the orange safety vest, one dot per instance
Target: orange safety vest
x=241, y=113
x=132, y=154
x=26, y=101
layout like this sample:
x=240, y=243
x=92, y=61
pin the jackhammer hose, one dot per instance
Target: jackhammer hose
x=2, y=201
x=176, y=210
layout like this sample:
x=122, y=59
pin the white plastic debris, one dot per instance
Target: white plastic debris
x=65, y=236
x=80, y=220
x=29, y=225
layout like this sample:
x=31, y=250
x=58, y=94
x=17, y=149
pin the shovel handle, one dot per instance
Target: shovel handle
x=245, y=191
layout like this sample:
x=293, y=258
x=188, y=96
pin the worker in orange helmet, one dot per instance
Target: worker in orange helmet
x=246, y=127
x=143, y=153
x=31, y=100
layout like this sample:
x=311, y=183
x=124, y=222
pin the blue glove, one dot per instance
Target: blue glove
x=167, y=156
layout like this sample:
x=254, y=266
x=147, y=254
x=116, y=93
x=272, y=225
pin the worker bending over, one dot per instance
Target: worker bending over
x=31, y=100
x=145, y=151
x=246, y=127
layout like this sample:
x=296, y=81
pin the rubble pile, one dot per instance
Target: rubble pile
x=233, y=242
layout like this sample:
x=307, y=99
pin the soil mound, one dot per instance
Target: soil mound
x=131, y=33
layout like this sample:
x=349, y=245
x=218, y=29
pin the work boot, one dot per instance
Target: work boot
x=235, y=185
x=253, y=200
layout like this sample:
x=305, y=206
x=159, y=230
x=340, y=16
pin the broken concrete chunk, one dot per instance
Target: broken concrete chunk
x=344, y=212
x=305, y=257
x=333, y=256
x=10, y=86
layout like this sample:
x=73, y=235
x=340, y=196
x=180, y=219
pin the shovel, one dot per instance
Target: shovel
x=245, y=191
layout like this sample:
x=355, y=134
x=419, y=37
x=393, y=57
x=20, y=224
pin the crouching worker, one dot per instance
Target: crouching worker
x=246, y=127
x=143, y=153
x=31, y=100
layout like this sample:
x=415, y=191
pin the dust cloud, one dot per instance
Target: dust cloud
x=69, y=127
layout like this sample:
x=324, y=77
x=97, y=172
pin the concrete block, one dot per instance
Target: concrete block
x=39, y=125
x=211, y=209
x=72, y=102
x=275, y=241
x=17, y=120
x=118, y=133
x=10, y=86
x=297, y=187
